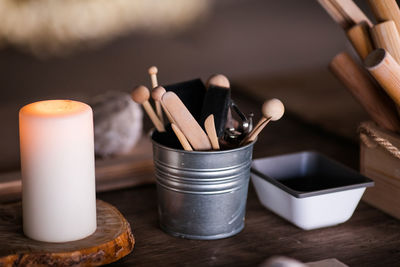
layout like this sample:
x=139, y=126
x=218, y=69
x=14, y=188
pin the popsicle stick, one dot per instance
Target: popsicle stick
x=384, y=10
x=181, y=137
x=386, y=36
x=186, y=122
x=141, y=95
x=209, y=125
x=345, y=12
x=386, y=71
x=360, y=38
x=373, y=99
x=157, y=94
x=154, y=82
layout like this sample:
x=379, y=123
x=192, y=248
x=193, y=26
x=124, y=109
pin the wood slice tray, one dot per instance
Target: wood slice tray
x=112, y=240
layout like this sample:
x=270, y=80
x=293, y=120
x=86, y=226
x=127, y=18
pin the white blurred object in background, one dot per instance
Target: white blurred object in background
x=118, y=123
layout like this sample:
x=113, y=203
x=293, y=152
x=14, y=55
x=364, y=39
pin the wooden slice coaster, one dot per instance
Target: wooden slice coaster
x=112, y=240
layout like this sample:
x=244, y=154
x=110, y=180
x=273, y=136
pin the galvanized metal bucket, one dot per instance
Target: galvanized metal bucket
x=202, y=194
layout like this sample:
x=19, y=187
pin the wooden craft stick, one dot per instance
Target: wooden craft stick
x=360, y=38
x=345, y=12
x=272, y=110
x=181, y=137
x=153, y=75
x=209, y=125
x=186, y=122
x=386, y=71
x=373, y=99
x=157, y=94
x=386, y=36
x=384, y=10
x=141, y=95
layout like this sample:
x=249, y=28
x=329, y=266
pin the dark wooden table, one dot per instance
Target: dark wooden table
x=369, y=238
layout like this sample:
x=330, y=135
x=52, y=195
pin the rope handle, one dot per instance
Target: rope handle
x=371, y=138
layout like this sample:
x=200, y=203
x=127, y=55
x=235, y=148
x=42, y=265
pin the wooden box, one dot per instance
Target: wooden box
x=379, y=164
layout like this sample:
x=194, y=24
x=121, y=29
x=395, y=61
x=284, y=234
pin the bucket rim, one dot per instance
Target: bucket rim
x=202, y=152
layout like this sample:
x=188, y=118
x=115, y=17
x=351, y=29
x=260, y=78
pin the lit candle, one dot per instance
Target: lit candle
x=57, y=164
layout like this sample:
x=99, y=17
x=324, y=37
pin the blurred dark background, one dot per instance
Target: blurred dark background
x=253, y=42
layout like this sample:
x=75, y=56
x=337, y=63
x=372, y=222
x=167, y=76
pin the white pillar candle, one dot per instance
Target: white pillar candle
x=58, y=176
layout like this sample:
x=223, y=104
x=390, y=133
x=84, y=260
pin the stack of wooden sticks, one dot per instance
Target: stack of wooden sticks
x=378, y=46
x=203, y=130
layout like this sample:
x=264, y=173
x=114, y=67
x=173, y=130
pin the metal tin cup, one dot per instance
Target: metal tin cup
x=202, y=194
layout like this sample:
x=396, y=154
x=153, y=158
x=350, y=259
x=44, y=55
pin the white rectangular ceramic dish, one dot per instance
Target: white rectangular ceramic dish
x=308, y=189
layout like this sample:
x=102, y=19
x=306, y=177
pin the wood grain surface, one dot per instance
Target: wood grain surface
x=112, y=240
x=385, y=35
x=360, y=38
x=378, y=164
x=375, y=102
x=369, y=238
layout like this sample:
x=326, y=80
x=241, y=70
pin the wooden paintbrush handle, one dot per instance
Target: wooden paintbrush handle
x=159, y=111
x=171, y=120
x=181, y=137
x=153, y=117
x=360, y=38
x=386, y=71
x=386, y=10
x=377, y=104
x=386, y=36
x=154, y=83
x=256, y=131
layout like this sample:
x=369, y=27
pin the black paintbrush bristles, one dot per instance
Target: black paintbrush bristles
x=191, y=94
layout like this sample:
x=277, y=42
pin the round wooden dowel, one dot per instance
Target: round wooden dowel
x=153, y=70
x=386, y=36
x=386, y=10
x=181, y=137
x=141, y=95
x=386, y=71
x=360, y=39
x=374, y=100
x=157, y=94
